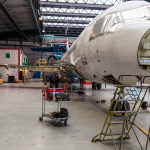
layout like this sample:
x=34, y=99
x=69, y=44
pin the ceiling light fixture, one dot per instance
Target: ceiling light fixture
x=40, y=18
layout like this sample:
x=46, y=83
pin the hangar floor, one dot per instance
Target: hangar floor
x=20, y=128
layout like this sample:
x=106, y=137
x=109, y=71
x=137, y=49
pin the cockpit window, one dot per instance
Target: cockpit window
x=97, y=29
x=141, y=12
x=104, y=25
x=112, y=19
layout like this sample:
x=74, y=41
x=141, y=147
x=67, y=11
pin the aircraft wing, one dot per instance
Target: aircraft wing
x=35, y=68
x=66, y=68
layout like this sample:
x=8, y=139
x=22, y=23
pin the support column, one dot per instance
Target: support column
x=41, y=54
x=41, y=78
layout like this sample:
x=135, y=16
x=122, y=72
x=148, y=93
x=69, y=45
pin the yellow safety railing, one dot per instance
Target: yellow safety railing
x=40, y=62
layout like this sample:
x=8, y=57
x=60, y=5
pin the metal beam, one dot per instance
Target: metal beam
x=62, y=31
x=12, y=21
x=35, y=16
x=75, y=5
x=28, y=28
x=6, y=23
x=68, y=34
x=20, y=24
x=69, y=14
x=62, y=26
x=17, y=6
x=5, y=30
x=27, y=13
x=66, y=21
x=12, y=34
x=24, y=17
x=52, y=36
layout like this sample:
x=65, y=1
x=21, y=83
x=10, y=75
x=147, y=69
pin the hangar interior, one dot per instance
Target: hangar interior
x=46, y=102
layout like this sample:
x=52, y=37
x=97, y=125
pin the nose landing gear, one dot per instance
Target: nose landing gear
x=145, y=105
x=96, y=85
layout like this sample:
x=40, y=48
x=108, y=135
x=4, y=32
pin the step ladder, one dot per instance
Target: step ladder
x=131, y=93
x=127, y=123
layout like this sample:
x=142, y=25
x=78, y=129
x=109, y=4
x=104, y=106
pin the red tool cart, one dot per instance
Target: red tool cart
x=55, y=95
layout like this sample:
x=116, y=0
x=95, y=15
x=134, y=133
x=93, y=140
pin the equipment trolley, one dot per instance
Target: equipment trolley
x=50, y=115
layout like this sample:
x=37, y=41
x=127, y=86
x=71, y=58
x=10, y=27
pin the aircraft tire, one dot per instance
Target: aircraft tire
x=127, y=106
x=99, y=86
x=94, y=85
x=144, y=105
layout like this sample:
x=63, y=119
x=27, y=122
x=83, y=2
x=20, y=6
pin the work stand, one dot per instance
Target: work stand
x=80, y=92
x=129, y=117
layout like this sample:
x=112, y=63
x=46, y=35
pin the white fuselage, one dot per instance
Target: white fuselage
x=114, y=52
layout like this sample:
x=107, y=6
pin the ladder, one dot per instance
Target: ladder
x=131, y=93
x=40, y=62
x=127, y=123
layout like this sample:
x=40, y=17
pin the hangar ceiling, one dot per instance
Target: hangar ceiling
x=70, y=17
x=16, y=19
x=20, y=18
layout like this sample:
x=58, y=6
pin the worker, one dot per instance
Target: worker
x=50, y=78
x=56, y=80
x=64, y=78
x=61, y=78
x=70, y=81
x=66, y=87
x=81, y=83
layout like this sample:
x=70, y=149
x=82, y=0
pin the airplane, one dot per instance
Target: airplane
x=116, y=42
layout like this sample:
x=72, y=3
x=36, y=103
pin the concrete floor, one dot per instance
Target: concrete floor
x=20, y=128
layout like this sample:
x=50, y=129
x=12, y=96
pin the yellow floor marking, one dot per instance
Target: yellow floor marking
x=96, y=100
x=144, y=130
x=108, y=92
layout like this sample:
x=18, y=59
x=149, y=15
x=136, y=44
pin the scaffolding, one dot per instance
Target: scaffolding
x=129, y=115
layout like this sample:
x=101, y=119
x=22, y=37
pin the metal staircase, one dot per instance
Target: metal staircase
x=131, y=93
x=128, y=119
x=40, y=62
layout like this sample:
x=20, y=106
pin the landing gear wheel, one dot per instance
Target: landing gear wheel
x=65, y=122
x=94, y=84
x=144, y=105
x=99, y=86
x=40, y=118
